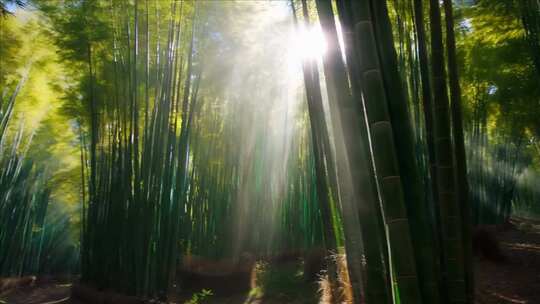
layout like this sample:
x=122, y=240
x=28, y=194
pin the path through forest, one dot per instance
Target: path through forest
x=517, y=280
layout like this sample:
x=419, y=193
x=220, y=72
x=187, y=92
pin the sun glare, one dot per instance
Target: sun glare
x=308, y=44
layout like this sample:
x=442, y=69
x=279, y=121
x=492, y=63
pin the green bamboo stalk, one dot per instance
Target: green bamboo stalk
x=415, y=198
x=319, y=134
x=462, y=184
x=358, y=191
x=450, y=208
x=370, y=76
x=24, y=199
x=427, y=95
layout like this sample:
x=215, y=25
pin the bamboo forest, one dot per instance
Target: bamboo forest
x=270, y=151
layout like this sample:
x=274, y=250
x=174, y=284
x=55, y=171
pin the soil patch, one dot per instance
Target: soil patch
x=517, y=279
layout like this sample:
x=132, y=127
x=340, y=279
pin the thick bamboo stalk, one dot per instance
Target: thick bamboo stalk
x=319, y=134
x=415, y=200
x=462, y=184
x=384, y=154
x=358, y=190
x=450, y=208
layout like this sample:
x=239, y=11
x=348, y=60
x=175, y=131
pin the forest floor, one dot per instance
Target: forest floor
x=43, y=292
x=274, y=284
x=513, y=281
x=517, y=279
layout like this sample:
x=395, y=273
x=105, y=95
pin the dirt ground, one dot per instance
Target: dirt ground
x=41, y=293
x=515, y=281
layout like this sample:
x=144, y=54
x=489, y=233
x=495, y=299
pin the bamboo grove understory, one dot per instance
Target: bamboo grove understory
x=198, y=134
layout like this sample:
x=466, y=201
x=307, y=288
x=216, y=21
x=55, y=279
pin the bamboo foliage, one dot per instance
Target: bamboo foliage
x=530, y=17
x=163, y=168
x=526, y=194
x=234, y=207
x=25, y=231
x=499, y=131
x=156, y=191
x=186, y=150
x=139, y=181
